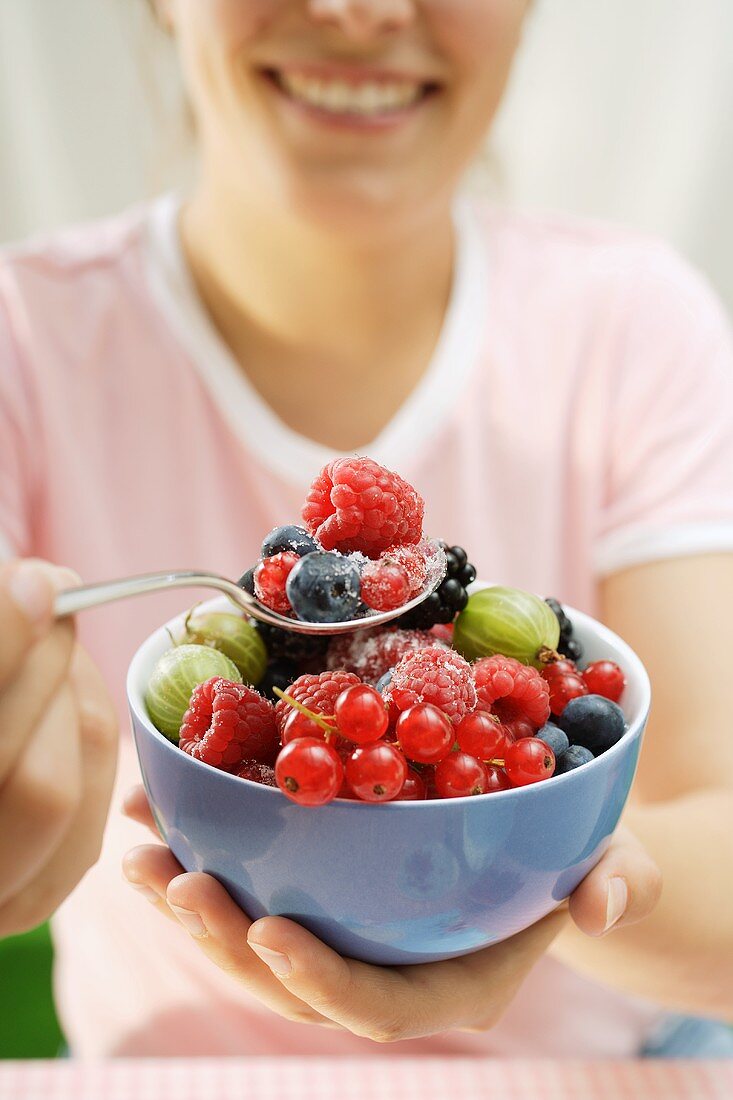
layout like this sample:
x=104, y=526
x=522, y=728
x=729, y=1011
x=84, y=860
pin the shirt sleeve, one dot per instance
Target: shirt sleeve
x=669, y=483
x=17, y=467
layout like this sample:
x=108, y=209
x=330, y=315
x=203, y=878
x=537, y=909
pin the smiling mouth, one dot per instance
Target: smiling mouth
x=363, y=98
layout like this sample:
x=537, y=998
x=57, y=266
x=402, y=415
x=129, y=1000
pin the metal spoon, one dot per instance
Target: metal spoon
x=72, y=600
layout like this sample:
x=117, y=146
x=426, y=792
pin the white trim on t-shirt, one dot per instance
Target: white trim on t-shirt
x=283, y=450
x=641, y=544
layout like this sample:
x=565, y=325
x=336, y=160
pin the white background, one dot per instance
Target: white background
x=619, y=109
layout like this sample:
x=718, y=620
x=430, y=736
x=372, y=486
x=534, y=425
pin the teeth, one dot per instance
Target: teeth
x=367, y=98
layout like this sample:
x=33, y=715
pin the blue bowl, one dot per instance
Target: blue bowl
x=400, y=882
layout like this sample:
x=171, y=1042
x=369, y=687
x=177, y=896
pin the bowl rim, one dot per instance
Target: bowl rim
x=633, y=667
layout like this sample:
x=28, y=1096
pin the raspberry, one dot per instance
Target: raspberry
x=433, y=675
x=512, y=690
x=227, y=723
x=258, y=773
x=356, y=504
x=371, y=653
x=414, y=561
x=385, y=585
x=318, y=692
x=270, y=577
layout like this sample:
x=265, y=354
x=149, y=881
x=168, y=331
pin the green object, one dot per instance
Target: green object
x=29, y=1025
x=176, y=674
x=509, y=621
x=232, y=635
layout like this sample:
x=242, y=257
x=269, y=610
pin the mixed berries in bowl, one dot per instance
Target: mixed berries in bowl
x=409, y=792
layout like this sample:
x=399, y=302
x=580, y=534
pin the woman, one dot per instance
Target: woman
x=172, y=379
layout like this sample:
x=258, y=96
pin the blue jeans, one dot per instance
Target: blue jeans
x=690, y=1037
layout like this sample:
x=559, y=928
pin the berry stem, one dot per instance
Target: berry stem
x=317, y=718
x=547, y=656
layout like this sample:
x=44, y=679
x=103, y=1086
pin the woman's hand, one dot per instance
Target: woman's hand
x=58, y=735
x=297, y=976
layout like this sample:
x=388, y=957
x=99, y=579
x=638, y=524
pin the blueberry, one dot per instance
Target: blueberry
x=384, y=681
x=572, y=758
x=295, y=539
x=553, y=736
x=247, y=581
x=594, y=722
x=324, y=588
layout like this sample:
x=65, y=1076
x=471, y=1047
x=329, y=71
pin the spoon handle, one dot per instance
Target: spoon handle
x=72, y=600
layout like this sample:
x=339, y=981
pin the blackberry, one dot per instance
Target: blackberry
x=291, y=646
x=279, y=674
x=247, y=581
x=449, y=598
x=568, y=646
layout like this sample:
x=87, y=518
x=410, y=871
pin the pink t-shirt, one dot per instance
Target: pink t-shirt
x=577, y=418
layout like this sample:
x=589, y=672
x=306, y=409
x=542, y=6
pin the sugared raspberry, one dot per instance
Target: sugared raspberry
x=270, y=578
x=371, y=653
x=511, y=690
x=227, y=723
x=385, y=585
x=356, y=504
x=316, y=691
x=433, y=675
x=414, y=560
x=258, y=773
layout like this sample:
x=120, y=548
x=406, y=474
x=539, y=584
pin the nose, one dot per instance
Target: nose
x=361, y=19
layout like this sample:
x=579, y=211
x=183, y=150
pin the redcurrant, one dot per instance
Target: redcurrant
x=605, y=678
x=414, y=789
x=519, y=727
x=361, y=715
x=425, y=734
x=270, y=577
x=376, y=772
x=564, y=687
x=460, y=775
x=309, y=771
x=482, y=735
x=497, y=779
x=529, y=761
x=298, y=724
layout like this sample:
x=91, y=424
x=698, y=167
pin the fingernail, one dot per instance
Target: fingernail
x=616, y=901
x=145, y=891
x=30, y=590
x=191, y=921
x=277, y=962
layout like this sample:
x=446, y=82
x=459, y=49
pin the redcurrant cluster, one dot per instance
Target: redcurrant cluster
x=359, y=752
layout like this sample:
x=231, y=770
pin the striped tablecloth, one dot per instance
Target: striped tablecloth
x=388, y=1078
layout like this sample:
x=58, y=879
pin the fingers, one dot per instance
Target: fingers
x=391, y=1004
x=27, y=590
x=40, y=795
x=27, y=695
x=80, y=843
x=622, y=889
x=135, y=805
x=216, y=924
